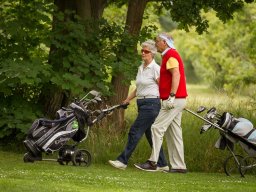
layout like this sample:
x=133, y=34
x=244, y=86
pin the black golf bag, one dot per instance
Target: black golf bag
x=51, y=135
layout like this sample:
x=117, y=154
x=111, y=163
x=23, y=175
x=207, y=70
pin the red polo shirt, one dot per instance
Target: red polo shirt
x=165, y=82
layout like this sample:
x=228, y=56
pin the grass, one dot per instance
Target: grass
x=16, y=176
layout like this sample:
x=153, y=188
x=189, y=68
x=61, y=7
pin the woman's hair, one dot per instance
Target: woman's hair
x=151, y=45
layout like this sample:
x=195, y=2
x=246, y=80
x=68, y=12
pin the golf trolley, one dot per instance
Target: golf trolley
x=72, y=122
x=232, y=130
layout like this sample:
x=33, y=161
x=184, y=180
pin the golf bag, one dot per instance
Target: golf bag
x=232, y=130
x=50, y=135
x=73, y=123
x=239, y=126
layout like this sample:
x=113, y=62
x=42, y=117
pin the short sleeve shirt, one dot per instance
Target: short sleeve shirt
x=172, y=62
x=146, y=80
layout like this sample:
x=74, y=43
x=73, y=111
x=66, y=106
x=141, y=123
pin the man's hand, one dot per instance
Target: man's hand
x=168, y=103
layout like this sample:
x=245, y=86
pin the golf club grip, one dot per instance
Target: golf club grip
x=124, y=106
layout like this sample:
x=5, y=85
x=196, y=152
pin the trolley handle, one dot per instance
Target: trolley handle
x=107, y=111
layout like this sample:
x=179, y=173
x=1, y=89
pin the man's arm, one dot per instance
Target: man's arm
x=175, y=79
x=173, y=67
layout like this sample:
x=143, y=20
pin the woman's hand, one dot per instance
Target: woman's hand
x=126, y=101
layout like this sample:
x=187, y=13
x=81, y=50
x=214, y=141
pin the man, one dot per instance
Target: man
x=173, y=92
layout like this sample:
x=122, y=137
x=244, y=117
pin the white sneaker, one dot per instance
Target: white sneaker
x=165, y=168
x=117, y=164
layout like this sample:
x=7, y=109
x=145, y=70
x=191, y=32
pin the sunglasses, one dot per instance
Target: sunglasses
x=145, y=51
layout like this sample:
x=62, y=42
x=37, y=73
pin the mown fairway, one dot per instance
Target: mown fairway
x=49, y=176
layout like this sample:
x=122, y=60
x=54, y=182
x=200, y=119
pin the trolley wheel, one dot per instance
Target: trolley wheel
x=232, y=164
x=81, y=157
x=65, y=154
x=28, y=158
x=67, y=162
x=248, y=165
x=63, y=162
x=60, y=161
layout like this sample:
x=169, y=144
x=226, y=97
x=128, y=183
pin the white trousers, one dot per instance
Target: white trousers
x=168, y=123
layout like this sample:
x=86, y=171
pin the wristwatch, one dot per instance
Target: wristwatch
x=172, y=94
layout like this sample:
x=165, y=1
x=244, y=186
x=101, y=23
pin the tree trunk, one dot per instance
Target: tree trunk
x=52, y=96
x=133, y=25
x=134, y=16
x=88, y=9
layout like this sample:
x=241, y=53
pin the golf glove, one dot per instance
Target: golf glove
x=168, y=103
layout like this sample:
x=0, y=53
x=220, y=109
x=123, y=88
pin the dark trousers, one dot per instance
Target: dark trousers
x=148, y=110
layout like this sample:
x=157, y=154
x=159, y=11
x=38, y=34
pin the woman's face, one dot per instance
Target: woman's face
x=146, y=54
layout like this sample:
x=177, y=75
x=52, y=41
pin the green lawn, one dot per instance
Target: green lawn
x=50, y=176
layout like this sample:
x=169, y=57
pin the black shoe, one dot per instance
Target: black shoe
x=147, y=166
x=177, y=171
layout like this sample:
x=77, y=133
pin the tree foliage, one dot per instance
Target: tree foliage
x=225, y=56
x=78, y=62
x=189, y=13
x=23, y=61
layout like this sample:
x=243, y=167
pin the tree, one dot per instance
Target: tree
x=23, y=63
x=225, y=56
x=53, y=96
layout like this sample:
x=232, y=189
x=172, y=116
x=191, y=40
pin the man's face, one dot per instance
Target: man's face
x=160, y=44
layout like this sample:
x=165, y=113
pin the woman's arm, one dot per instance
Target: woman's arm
x=130, y=96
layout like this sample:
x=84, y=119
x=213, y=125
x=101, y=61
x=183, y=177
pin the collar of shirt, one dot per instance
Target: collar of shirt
x=165, y=51
x=149, y=65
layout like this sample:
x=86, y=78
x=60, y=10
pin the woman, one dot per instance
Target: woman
x=148, y=104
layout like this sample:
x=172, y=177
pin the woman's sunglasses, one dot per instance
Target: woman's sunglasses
x=145, y=51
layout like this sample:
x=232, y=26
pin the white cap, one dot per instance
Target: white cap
x=168, y=40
